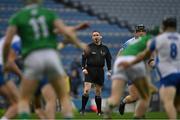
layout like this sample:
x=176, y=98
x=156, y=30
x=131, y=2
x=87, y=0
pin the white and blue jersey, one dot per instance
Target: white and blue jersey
x=16, y=47
x=16, y=43
x=167, y=46
x=128, y=42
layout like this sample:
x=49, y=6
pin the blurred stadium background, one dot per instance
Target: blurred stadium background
x=115, y=19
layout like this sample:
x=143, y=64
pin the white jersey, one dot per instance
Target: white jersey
x=15, y=39
x=128, y=42
x=167, y=46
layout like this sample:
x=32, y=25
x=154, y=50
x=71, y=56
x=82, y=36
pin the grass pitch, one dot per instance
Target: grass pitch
x=91, y=115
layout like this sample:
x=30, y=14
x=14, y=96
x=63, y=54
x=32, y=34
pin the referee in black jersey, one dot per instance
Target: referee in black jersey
x=93, y=69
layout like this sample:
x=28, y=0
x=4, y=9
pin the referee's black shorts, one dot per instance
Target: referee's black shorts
x=95, y=75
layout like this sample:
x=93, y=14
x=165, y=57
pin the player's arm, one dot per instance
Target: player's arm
x=141, y=56
x=151, y=60
x=11, y=31
x=147, y=53
x=81, y=26
x=8, y=54
x=69, y=33
x=62, y=44
x=11, y=66
x=66, y=41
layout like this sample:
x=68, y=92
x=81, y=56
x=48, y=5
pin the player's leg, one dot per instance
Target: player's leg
x=118, y=82
x=152, y=88
x=33, y=69
x=37, y=106
x=177, y=103
x=116, y=92
x=132, y=97
x=37, y=101
x=138, y=74
x=26, y=93
x=58, y=79
x=50, y=99
x=133, y=94
x=58, y=84
x=177, y=99
x=9, y=90
x=12, y=94
x=14, y=89
x=167, y=96
x=144, y=93
x=98, y=98
x=58, y=105
x=12, y=110
x=143, y=102
x=117, y=89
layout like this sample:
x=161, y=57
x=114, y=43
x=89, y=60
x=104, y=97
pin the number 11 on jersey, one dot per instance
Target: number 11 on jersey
x=38, y=25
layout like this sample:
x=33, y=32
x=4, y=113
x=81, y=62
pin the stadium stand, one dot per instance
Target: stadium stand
x=113, y=35
x=147, y=12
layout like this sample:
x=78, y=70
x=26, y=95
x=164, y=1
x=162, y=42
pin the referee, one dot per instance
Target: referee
x=93, y=69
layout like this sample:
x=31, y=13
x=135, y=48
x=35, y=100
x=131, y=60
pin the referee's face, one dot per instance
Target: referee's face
x=96, y=36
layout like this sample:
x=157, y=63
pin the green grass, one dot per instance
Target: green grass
x=91, y=115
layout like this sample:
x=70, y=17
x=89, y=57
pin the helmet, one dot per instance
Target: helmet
x=140, y=27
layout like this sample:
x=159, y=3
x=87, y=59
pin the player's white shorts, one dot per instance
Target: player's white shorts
x=44, y=62
x=132, y=73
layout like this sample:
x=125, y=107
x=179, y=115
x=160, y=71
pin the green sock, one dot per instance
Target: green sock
x=24, y=116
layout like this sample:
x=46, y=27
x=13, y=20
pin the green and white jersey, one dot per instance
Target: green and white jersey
x=35, y=27
x=136, y=47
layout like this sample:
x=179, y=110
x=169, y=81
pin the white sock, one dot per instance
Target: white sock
x=22, y=109
x=68, y=116
x=4, y=118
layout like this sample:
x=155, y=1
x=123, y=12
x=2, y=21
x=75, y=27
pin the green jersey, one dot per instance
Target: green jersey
x=35, y=27
x=136, y=46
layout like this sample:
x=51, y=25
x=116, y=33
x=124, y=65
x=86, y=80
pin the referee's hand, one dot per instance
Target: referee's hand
x=109, y=73
x=85, y=71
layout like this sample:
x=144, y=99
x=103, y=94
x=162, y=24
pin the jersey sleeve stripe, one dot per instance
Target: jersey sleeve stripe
x=152, y=46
